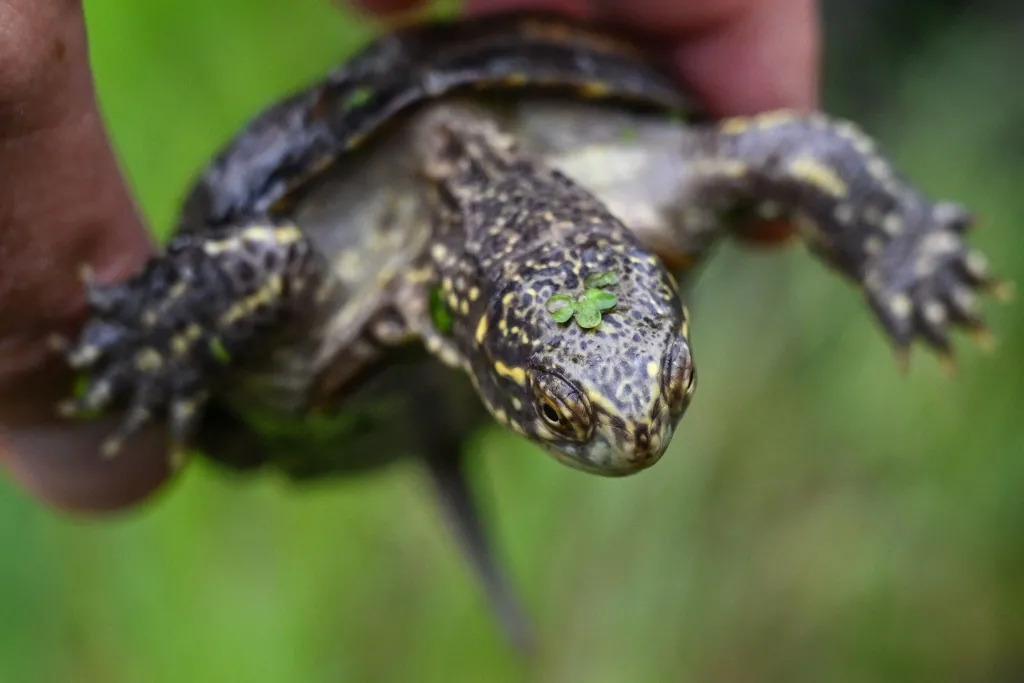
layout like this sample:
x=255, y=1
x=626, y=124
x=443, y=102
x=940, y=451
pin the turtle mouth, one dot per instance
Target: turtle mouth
x=643, y=446
x=614, y=451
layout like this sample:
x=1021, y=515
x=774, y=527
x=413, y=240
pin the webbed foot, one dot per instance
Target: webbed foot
x=139, y=352
x=923, y=282
x=156, y=343
x=860, y=215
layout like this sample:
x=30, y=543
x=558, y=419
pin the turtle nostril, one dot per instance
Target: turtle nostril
x=642, y=443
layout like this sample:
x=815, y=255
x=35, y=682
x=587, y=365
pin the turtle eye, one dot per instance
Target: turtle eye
x=550, y=413
x=680, y=377
x=561, y=407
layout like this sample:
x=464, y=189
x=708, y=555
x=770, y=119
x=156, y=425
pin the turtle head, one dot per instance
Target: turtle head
x=584, y=350
x=572, y=330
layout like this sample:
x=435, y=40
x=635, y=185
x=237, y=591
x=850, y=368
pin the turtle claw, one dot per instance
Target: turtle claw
x=58, y=343
x=984, y=339
x=948, y=363
x=137, y=417
x=1003, y=291
x=925, y=284
x=901, y=356
x=123, y=363
x=106, y=365
x=118, y=369
x=101, y=299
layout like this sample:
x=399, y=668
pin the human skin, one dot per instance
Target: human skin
x=64, y=202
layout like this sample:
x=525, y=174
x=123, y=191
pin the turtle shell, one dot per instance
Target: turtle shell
x=264, y=169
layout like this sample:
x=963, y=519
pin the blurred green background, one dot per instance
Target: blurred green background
x=819, y=517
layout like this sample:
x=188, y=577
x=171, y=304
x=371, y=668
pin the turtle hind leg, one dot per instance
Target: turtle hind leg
x=856, y=213
x=156, y=343
x=463, y=516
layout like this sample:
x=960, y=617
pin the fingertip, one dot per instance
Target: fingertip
x=62, y=467
x=739, y=56
x=573, y=8
x=762, y=59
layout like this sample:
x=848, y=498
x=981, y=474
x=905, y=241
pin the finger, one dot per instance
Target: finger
x=578, y=8
x=63, y=203
x=740, y=56
x=61, y=466
x=384, y=7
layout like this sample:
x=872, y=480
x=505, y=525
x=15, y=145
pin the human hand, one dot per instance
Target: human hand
x=64, y=202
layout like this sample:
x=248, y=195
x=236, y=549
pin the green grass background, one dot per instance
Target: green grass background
x=819, y=516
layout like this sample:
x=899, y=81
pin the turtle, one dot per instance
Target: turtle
x=490, y=220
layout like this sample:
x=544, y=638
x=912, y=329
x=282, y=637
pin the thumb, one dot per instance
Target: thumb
x=63, y=203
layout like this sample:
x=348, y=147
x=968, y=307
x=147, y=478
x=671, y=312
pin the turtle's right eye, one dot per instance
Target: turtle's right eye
x=561, y=407
x=550, y=412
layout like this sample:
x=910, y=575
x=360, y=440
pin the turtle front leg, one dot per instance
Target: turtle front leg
x=159, y=342
x=855, y=211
